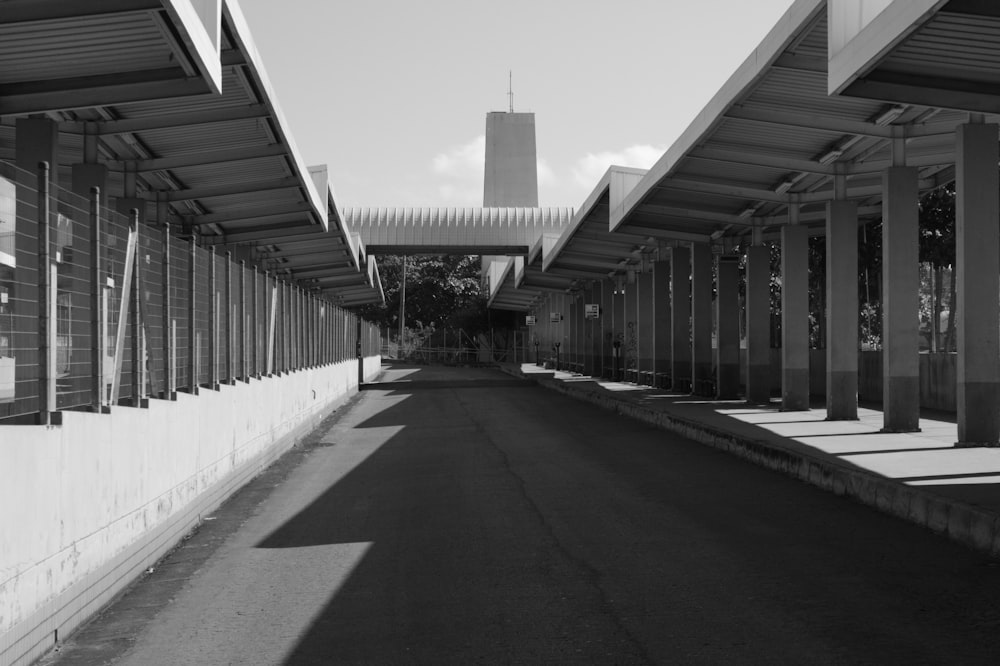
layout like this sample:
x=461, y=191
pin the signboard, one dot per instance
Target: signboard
x=555, y=317
x=529, y=320
x=592, y=311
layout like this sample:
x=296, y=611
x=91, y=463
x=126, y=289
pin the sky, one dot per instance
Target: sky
x=392, y=94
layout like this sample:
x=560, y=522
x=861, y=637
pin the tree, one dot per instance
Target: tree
x=442, y=293
x=937, y=248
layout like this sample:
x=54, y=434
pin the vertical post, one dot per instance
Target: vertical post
x=169, y=375
x=661, y=320
x=311, y=328
x=680, y=302
x=244, y=334
x=646, y=320
x=701, y=317
x=632, y=326
x=286, y=322
x=193, y=347
x=758, y=314
x=252, y=364
x=230, y=333
x=842, y=308
x=271, y=310
x=361, y=358
x=96, y=305
x=977, y=210
x=727, y=315
x=46, y=323
x=213, y=323
x=138, y=347
x=795, y=315
x=620, y=327
x=900, y=300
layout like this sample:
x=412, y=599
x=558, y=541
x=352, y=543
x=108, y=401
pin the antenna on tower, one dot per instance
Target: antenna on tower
x=510, y=89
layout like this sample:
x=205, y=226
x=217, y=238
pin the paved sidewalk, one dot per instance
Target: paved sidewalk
x=921, y=477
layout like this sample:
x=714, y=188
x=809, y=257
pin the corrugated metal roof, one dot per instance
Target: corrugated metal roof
x=86, y=46
x=773, y=132
x=187, y=143
x=458, y=227
x=950, y=42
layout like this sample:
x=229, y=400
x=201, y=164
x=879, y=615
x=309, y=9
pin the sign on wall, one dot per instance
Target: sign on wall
x=555, y=317
x=592, y=311
x=529, y=320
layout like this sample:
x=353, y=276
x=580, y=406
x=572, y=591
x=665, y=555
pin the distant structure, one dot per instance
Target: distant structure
x=511, y=173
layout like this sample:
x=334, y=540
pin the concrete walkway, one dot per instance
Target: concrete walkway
x=920, y=477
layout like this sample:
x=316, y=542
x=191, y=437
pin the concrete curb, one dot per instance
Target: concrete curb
x=959, y=521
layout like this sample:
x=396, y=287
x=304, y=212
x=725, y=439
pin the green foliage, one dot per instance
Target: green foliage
x=442, y=292
x=937, y=227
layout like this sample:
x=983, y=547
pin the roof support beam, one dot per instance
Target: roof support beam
x=276, y=235
x=809, y=121
x=207, y=157
x=103, y=90
x=747, y=156
x=228, y=190
x=166, y=121
x=20, y=11
x=748, y=193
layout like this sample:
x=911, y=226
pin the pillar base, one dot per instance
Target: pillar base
x=901, y=404
x=978, y=417
x=795, y=390
x=842, y=396
x=758, y=384
x=728, y=382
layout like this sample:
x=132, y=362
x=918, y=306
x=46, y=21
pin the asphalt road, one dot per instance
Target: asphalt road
x=460, y=518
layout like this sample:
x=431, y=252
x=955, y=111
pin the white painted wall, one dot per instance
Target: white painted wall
x=86, y=506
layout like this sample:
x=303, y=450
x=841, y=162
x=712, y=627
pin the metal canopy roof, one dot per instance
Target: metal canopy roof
x=171, y=95
x=485, y=231
x=504, y=294
x=772, y=136
x=932, y=52
x=588, y=250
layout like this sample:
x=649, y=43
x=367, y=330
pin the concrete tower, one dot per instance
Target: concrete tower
x=511, y=163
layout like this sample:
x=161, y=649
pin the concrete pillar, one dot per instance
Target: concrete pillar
x=560, y=327
x=607, y=326
x=727, y=314
x=758, y=314
x=647, y=330
x=32, y=294
x=842, y=310
x=588, y=343
x=701, y=317
x=631, y=346
x=680, y=316
x=977, y=210
x=662, y=330
x=570, y=352
x=795, y=317
x=900, y=300
x=620, y=330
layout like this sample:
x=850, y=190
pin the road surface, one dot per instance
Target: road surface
x=458, y=517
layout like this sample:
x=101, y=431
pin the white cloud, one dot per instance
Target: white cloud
x=545, y=174
x=464, y=162
x=589, y=168
x=461, y=173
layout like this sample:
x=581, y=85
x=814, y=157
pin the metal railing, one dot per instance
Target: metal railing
x=122, y=311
